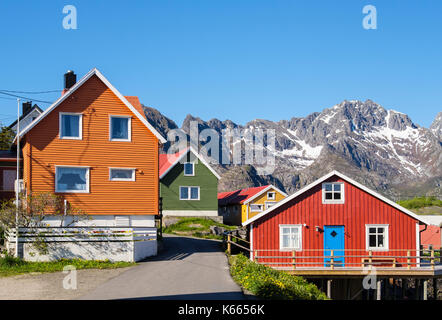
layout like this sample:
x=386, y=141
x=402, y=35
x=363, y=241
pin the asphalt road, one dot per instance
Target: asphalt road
x=186, y=268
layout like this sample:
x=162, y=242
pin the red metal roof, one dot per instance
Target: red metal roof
x=169, y=160
x=238, y=196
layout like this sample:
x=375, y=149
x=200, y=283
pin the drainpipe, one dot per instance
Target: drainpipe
x=418, y=260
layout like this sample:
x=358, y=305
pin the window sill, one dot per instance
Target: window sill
x=120, y=140
x=289, y=249
x=333, y=202
x=57, y=191
x=377, y=249
x=70, y=138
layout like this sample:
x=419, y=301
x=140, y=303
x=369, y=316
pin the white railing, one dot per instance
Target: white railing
x=82, y=234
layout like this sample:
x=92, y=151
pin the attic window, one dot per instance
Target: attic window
x=120, y=128
x=70, y=126
x=333, y=193
x=189, y=169
x=271, y=195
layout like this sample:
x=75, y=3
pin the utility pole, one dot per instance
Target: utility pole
x=17, y=184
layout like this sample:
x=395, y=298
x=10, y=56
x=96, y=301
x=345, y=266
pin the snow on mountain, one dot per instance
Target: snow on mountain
x=384, y=148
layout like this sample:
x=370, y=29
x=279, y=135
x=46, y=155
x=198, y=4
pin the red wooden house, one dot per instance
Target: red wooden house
x=335, y=221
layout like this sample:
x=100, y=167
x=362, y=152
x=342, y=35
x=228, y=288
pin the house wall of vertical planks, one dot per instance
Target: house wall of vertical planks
x=360, y=208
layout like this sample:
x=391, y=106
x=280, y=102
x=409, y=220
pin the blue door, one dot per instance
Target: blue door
x=334, y=240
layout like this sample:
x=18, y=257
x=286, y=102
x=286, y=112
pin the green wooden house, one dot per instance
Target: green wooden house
x=188, y=185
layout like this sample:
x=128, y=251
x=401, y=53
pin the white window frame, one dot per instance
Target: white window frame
x=121, y=179
x=193, y=169
x=129, y=128
x=270, y=202
x=80, y=124
x=256, y=210
x=88, y=181
x=333, y=201
x=299, y=227
x=274, y=195
x=386, y=237
x=189, y=192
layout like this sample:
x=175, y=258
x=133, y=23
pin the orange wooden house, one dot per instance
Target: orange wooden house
x=95, y=148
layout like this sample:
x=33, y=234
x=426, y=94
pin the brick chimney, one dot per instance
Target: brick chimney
x=26, y=107
x=70, y=78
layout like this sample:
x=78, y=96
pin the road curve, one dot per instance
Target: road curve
x=186, y=268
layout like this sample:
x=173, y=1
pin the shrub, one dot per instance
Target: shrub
x=420, y=202
x=271, y=284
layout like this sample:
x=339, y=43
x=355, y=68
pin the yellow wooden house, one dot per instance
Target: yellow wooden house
x=240, y=205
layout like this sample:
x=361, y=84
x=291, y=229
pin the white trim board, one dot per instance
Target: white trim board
x=78, y=85
x=199, y=158
x=343, y=177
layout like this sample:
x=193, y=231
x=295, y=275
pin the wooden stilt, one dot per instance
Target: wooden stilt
x=425, y=293
x=435, y=288
x=329, y=288
x=378, y=289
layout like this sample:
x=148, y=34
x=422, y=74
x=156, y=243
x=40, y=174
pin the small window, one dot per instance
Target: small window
x=120, y=128
x=256, y=207
x=121, y=174
x=70, y=126
x=271, y=195
x=189, y=169
x=189, y=193
x=377, y=237
x=270, y=204
x=333, y=192
x=290, y=237
x=72, y=179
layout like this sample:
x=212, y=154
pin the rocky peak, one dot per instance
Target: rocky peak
x=436, y=126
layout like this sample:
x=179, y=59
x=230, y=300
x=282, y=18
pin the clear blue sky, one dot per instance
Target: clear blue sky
x=231, y=59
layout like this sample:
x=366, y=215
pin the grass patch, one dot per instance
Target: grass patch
x=10, y=266
x=420, y=202
x=270, y=284
x=196, y=227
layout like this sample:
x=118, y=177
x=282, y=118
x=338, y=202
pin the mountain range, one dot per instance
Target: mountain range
x=382, y=149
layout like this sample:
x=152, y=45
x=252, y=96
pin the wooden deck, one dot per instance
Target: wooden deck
x=337, y=272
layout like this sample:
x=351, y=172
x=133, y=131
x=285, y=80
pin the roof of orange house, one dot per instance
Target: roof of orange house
x=238, y=196
x=169, y=160
x=137, y=109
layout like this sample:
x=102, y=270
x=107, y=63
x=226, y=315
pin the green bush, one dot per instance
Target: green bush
x=420, y=202
x=270, y=284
